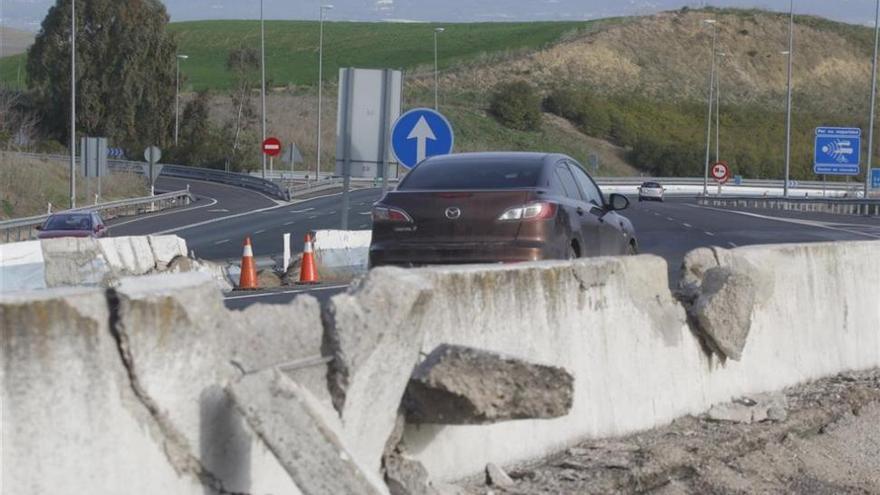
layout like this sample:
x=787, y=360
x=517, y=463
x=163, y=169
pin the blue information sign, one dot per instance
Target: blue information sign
x=420, y=134
x=875, y=178
x=838, y=151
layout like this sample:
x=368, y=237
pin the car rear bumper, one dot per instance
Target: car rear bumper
x=456, y=254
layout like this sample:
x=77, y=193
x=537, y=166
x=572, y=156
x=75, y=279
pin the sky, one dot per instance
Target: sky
x=27, y=14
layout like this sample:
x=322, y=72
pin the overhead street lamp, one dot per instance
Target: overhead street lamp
x=263, y=85
x=177, y=100
x=72, y=104
x=790, y=54
x=437, y=32
x=324, y=9
x=713, y=23
x=873, y=101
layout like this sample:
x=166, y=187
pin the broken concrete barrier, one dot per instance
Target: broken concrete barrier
x=460, y=385
x=342, y=254
x=22, y=266
x=374, y=336
x=301, y=434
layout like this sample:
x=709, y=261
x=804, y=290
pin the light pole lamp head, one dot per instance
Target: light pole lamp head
x=327, y=7
x=439, y=30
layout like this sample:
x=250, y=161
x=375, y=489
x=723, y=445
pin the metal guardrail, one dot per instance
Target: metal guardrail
x=246, y=181
x=24, y=229
x=865, y=207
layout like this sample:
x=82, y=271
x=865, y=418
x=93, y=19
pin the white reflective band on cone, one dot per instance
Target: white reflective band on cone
x=248, y=251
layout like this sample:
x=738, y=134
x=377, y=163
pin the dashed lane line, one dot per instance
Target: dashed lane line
x=710, y=234
x=806, y=223
x=224, y=241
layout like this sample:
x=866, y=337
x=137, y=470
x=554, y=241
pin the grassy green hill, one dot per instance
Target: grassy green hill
x=292, y=47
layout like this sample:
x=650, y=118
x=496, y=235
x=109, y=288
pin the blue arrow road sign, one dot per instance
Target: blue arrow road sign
x=875, y=178
x=420, y=134
x=838, y=151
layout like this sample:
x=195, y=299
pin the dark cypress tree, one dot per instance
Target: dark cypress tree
x=125, y=71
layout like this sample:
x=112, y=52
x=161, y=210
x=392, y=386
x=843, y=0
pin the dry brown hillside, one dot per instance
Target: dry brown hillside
x=666, y=56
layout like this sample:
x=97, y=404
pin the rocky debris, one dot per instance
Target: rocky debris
x=461, y=385
x=495, y=476
x=291, y=277
x=375, y=343
x=827, y=444
x=268, y=279
x=406, y=476
x=300, y=433
x=764, y=407
x=723, y=310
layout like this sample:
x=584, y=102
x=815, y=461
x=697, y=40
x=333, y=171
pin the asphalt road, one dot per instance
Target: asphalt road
x=216, y=225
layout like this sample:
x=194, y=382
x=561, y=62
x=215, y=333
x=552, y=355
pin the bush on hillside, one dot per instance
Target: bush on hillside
x=587, y=111
x=516, y=105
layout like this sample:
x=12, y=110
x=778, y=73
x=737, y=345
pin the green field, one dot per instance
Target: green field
x=292, y=47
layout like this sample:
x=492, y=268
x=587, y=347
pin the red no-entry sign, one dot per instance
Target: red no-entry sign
x=721, y=172
x=272, y=147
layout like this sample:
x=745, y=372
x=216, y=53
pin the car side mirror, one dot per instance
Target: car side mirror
x=618, y=202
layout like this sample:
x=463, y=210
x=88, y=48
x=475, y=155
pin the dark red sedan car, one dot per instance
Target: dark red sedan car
x=78, y=224
x=498, y=207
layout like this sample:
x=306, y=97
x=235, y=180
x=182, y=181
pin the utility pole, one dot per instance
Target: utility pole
x=263, y=86
x=72, y=104
x=713, y=22
x=177, y=100
x=324, y=8
x=873, y=101
x=788, y=102
x=437, y=32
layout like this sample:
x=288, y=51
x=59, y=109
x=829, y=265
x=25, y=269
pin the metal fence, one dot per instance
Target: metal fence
x=24, y=229
x=870, y=207
x=246, y=181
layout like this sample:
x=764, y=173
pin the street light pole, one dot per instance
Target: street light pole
x=72, y=104
x=177, y=100
x=263, y=86
x=873, y=101
x=437, y=32
x=713, y=22
x=324, y=8
x=788, y=102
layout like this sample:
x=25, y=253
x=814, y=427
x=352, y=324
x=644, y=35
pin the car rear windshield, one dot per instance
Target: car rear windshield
x=651, y=185
x=69, y=222
x=473, y=174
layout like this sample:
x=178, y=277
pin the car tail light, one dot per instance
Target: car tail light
x=390, y=215
x=532, y=211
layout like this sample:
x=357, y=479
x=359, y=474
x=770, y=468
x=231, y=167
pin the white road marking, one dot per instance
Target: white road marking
x=313, y=217
x=807, y=223
x=259, y=232
x=289, y=223
x=215, y=220
x=302, y=211
x=670, y=219
x=732, y=244
x=219, y=210
x=297, y=291
x=171, y=212
x=366, y=213
x=688, y=225
x=710, y=234
x=224, y=241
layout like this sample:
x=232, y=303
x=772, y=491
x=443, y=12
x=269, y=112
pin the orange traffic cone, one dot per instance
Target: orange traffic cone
x=308, y=273
x=248, y=280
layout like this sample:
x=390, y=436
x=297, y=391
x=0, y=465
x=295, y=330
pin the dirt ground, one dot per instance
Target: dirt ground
x=829, y=443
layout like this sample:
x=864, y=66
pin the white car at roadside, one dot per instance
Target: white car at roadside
x=651, y=191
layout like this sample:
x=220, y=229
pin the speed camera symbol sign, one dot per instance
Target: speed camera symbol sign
x=721, y=172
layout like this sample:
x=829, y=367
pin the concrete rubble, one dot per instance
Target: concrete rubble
x=461, y=385
x=415, y=378
x=304, y=438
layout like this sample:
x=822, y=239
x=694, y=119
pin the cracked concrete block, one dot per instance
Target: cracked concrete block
x=724, y=309
x=128, y=256
x=461, y=385
x=302, y=434
x=268, y=279
x=374, y=335
x=182, y=347
x=74, y=262
x=70, y=416
x=495, y=476
x=165, y=248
